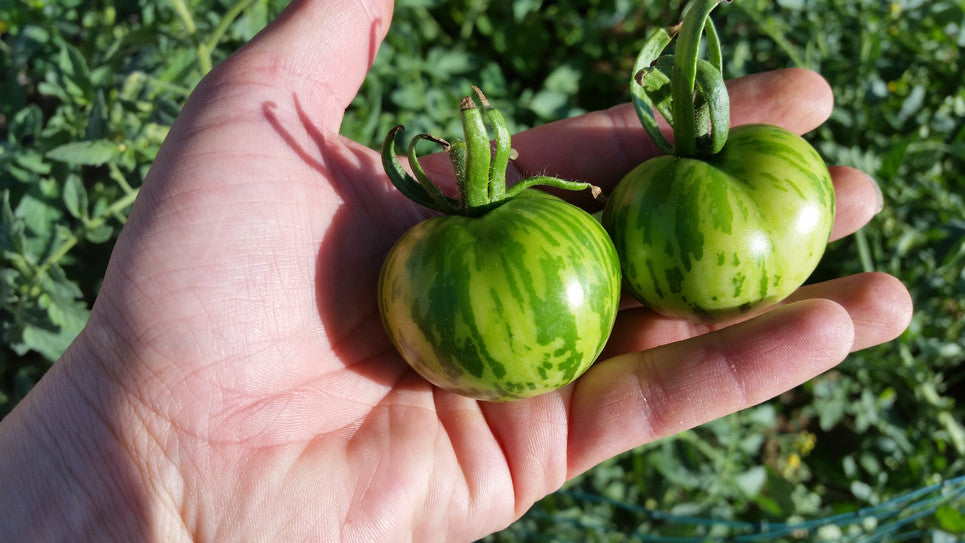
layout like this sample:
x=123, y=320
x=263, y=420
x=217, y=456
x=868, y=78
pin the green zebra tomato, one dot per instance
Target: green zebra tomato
x=510, y=304
x=729, y=219
x=511, y=293
x=713, y=238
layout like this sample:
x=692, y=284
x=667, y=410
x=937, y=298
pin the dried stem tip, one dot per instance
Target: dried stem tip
x=483, y=101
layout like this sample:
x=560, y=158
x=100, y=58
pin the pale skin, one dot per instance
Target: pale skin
x=234, y=381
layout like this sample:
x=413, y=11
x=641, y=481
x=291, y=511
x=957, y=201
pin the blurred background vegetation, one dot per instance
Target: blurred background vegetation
x=871, y=451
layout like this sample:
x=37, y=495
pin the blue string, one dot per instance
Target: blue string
x=898, y=513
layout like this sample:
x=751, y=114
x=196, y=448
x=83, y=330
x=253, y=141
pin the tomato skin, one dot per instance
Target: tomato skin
x=511, y=304
x=711, y=239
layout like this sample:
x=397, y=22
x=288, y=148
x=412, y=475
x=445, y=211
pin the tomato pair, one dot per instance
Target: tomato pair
x=514, y=292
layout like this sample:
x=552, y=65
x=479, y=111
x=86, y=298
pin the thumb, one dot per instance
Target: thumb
x=319, y=50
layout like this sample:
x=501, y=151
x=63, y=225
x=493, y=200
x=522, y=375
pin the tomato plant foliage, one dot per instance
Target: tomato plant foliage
x=886, y=422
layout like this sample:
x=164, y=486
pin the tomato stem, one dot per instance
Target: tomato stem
x=647, y=82
x=404, y=182
x=688, y=91
x=442, y=203
x=479, y=166
x=503, y=150
x=475, y=188
x=554, y=182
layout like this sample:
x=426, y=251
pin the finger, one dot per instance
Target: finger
x=277, y=99
x=638, y=328
x=879, y=305
x=794, y=98
x=639, y=397
x=319, y=50
x=602, y=146
x=857, y=199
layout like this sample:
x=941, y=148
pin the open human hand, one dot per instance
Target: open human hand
x=234, y=381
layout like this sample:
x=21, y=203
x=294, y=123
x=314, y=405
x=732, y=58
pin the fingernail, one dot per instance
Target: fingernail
x=879, y=196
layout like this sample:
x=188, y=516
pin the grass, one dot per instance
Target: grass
x=89, y=90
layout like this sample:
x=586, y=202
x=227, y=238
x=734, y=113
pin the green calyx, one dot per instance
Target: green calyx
x=688, y=91
x=479, y=165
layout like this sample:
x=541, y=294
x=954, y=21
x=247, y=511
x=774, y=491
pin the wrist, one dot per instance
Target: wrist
x=78, y=462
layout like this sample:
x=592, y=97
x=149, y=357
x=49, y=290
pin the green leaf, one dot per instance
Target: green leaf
x=11, y=227
x=751, y=481
x=956, y=432
x=75, y=71
x=951, y=519
x=26, y=123
x=97, y=121
x=912, y=104
x=101, y=233
x=87, y=153
x=32, y=161
x=51, y=344
x=449, y=62
x=831, y=402
x=862, y=491
x=769, y=505
x=564, y=79
x=892, y=160
x=75, y=197
x=40, y=211
x=522, y=8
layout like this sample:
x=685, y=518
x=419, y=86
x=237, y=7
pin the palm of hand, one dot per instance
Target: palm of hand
x=244, y=285
x=247, y=278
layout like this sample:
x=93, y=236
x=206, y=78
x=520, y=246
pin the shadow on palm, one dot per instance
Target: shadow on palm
x=370, y=216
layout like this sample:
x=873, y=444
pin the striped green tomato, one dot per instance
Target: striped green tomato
x=506, y=305
x=513, y=292
x=711, y=238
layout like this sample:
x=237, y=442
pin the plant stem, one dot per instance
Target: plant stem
x=439, y=199
x=503, y=151
x=405, y=183
x=864, y=251
x=224, y=23
x=480, y=169
x=554, y=182
x=475, y=187
x=205, y=48
x=75, y=236
x=684, y=76
x=667, y=84
x=643, y=101
x=185, y=13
